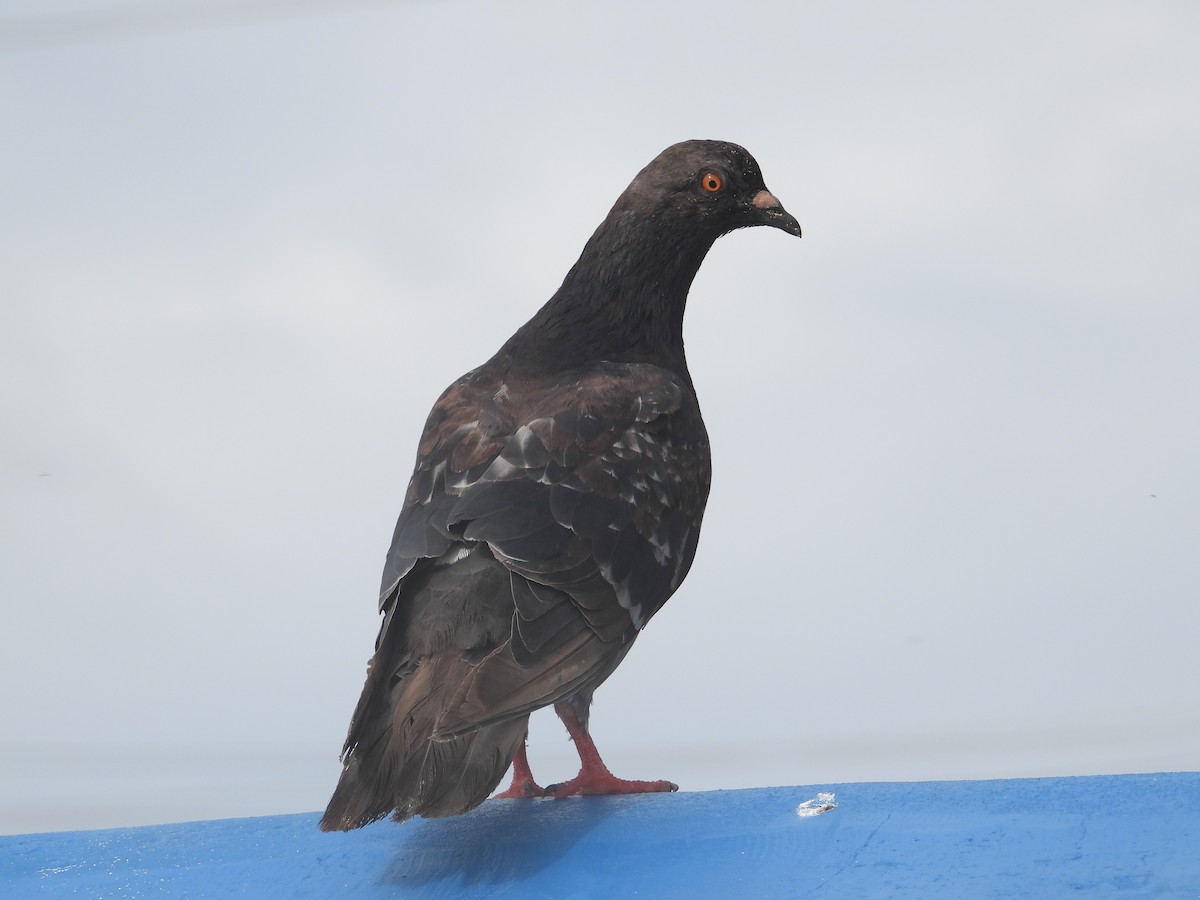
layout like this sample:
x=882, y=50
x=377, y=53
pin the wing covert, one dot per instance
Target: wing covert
x=593, y=487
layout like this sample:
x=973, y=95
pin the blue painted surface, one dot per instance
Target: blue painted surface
x=1128, y=836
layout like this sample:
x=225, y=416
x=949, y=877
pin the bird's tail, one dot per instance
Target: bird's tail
x=392, y=760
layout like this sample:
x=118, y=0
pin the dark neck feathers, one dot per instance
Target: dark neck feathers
x=624, y=299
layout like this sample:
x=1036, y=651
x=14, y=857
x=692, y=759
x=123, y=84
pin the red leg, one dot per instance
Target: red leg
x=594, y=777
x=523, y=784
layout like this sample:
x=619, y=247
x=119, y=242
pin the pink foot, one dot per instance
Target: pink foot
x=521, y=790
x=523, y=786
x=598, y=782
x=594, y=778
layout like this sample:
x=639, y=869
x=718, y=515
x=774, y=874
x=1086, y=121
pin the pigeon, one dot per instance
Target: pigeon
x=554, y=508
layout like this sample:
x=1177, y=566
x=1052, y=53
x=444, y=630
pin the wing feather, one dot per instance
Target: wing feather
x=589, y=490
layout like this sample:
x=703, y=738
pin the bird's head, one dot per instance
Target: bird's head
x=624, y=298
x=714, y=186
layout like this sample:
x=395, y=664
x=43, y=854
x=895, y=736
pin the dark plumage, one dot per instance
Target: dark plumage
x=555, y=506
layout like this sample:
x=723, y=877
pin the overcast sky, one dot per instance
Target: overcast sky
x=954, y=529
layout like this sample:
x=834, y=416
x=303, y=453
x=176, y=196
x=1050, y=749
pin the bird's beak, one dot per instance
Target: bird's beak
x=769, y=211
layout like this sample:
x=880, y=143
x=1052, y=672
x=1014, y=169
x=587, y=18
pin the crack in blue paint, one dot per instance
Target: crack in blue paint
x=857, y=853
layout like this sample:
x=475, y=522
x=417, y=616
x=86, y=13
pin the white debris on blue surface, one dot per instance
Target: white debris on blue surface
x=822, y=803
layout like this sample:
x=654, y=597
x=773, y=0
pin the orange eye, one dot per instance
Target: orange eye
x=711, y=182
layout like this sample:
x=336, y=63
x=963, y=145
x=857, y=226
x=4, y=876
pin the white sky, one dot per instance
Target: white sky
x=955, y=522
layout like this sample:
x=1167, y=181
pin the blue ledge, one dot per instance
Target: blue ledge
x=1133, y=835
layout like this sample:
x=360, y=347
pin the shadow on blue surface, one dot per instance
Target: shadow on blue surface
x=505, y=843
x=1129, y=835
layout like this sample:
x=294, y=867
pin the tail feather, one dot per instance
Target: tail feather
x=393, y=762
x=460, y=773
x=500, y=687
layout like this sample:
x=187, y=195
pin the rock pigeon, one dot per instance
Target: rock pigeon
x=555, y=506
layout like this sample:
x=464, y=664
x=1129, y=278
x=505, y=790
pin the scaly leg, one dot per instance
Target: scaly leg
x=594, y=777
x=523, y=785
